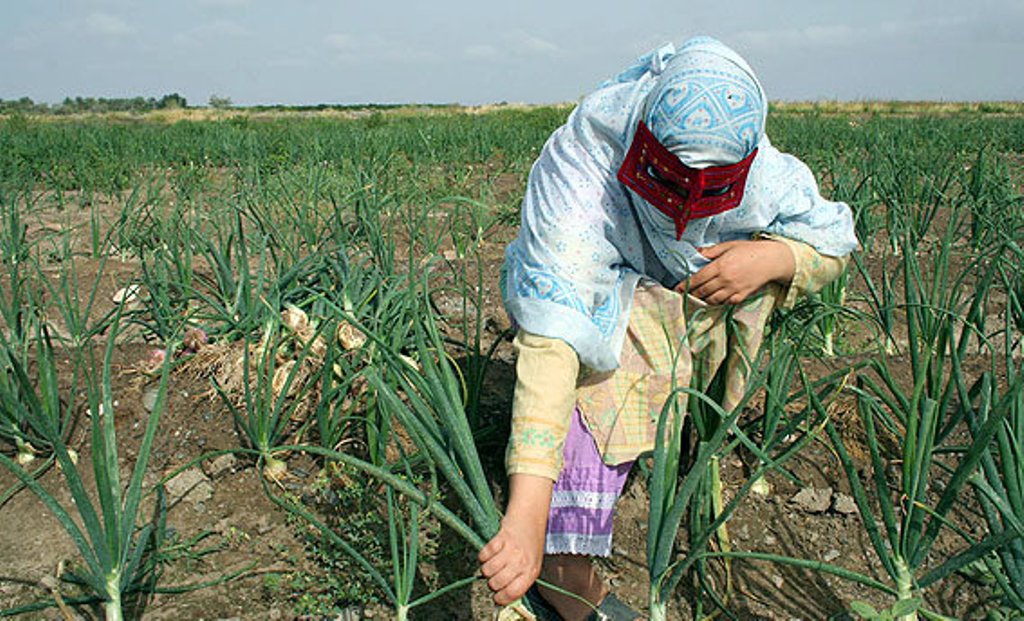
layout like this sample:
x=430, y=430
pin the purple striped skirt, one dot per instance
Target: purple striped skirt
x=584, y=496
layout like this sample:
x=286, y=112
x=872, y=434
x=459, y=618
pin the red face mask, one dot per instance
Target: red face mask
x=678, y=191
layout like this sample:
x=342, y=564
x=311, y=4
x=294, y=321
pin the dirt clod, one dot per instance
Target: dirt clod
x=813, y=500
x=221, y=465
x=844, y=504
x=190, y=486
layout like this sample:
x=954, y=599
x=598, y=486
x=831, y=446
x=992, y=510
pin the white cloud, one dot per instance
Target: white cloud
x=341, y=42
x=215, y=30
x=834, y=34
x=514, y=44
x=289, y=63
x=121, y=4
x=349, y=48
x=526, y=43
x=23, y=43
x=106, y=25
x=481, y=52
x=841, y=35
x=224, y=3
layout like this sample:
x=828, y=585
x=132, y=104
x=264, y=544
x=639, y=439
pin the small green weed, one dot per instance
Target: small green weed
x=350, y=505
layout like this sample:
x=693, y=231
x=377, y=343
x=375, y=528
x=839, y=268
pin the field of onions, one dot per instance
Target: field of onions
x=255, y=365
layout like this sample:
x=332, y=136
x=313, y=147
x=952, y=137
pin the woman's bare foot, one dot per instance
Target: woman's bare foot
x=575, y=574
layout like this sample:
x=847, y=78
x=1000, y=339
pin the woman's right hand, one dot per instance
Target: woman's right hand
x=738, y=269
x=511, y=560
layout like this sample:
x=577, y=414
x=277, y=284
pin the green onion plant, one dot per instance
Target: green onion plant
x=470, y=225
x=234, y=297
x=32, y=417
x=773, y=438
x=17, y=292
x=266, y=414
x=113, y=548
x=941, y=323
x=428, y=403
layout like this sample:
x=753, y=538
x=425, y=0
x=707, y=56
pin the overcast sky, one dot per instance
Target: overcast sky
x=477, y=52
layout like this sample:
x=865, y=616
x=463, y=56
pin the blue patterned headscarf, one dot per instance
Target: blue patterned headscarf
x=585, y=239
x=707, y=106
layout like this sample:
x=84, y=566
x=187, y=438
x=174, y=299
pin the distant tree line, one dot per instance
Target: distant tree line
x=72, y=105
x=78, y=105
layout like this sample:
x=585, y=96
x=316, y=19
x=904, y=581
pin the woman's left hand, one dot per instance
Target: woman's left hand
x=738, y=269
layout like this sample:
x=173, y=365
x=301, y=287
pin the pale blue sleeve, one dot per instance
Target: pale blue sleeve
x=802, y=213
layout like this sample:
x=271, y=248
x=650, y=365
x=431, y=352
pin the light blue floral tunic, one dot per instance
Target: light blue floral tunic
x=585, y=239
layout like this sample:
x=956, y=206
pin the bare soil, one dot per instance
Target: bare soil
x=244, y=545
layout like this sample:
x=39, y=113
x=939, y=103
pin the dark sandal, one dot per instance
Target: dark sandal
x=611, y=609
x=614, y=609
x=539, y=606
